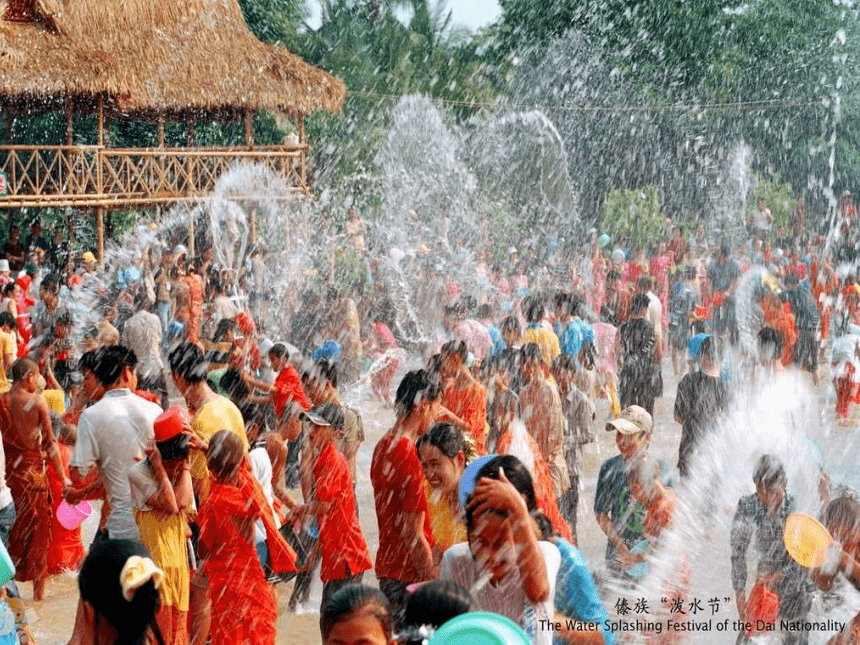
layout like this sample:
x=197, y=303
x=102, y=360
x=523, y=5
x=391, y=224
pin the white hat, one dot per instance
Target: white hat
x=4, y=266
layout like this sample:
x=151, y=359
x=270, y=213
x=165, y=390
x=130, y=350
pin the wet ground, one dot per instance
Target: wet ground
x=52, y=619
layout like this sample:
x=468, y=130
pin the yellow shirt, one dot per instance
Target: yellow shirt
x=543, y=338
x=448, y=529
x=218, y=414
x=8, y=345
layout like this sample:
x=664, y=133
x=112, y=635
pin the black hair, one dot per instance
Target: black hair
x=9, y=288
x=484, y=311
x=690, y=272
x=232, y=383
x=612, y=275
x=644, y=283
x=280, y=351
x=639, y=303
x=791, y=280
x=709, y=349
x=448, y=439
x=530, y=351
x=842, y=516
x=110, y=363
x=51, y=283
x=532, y=307
x=455, y=348
x=510, y=324
x=99, y=584
x=770, y=473
x=415, y=386
x=327, y=370
x=351, y=599
x=188, y=362
x=88, y=361
x=173, y=448
x=224, y=325
x=435, y=603
x=8, y=320
x=770, y=342
x=517, y=474
x=563, y=362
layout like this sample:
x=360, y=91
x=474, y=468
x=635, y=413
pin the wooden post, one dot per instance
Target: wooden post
x=300, y=122
x=70, y=122
x=189, y=118
x=100, y=232
x=252, y=224
x=70, y=231
x=10, y=121
x=191, y=253
x=160, y=130
x=248, y=118
x=101, y=119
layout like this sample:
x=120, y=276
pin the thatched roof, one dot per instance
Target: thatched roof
x=149, y=55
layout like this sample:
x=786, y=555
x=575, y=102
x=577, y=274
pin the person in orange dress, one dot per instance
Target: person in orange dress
x=237, y=583
x=27, y=437
x=504, y=415
x=462, y=394
x=776, y=317
x=66, y=550
x=196, y=288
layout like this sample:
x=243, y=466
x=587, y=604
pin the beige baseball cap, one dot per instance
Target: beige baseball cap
x=633, y=420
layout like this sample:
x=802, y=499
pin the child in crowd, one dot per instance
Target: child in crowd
x=66, y=550
x=162, y=496
x=444, y=453
x=345, y=557
x=357, y=615
x=461, y=393
x=119, y=586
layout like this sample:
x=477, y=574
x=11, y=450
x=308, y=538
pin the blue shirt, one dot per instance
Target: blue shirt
x=573, y=335
x=576, y=596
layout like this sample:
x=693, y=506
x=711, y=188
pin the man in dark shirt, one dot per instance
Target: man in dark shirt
x=13, y=251
x=723, y=274
x=36, y=241
x=702, y=397
x=808, y=324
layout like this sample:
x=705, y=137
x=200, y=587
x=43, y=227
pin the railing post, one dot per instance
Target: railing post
x=301, y=127
x=100, y=232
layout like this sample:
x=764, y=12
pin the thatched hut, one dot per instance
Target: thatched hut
x=150, y=60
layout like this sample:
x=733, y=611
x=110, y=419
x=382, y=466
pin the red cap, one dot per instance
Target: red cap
x=168, y=424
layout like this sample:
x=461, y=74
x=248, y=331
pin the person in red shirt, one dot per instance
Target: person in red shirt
x=646, y=487
x=344, y=552
x=405, y=554
x=461, y=393
x=287, y=387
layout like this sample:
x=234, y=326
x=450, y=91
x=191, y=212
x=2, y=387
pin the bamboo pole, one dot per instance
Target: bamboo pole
x=302, y=170
x=189, y=119
x=100, y=232
x=248, y=118
x=10, y=122
x=101, y=119
x=160, y=130
x=252, y=224
x=70, y=122
x=191, y=253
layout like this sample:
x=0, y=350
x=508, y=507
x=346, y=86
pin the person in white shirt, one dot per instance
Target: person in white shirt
x=112, y=435
x=504, y=566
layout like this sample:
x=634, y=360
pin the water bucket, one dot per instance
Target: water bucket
x=480, y=628
x=806, y=540
x=762, y=608
x=7, y=569
x=71, y=517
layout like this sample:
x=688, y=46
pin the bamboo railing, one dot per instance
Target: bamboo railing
x=87, y=176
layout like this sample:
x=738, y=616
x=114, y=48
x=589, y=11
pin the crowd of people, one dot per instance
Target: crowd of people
x=476, y=485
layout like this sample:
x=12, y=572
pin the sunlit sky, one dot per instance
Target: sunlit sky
x=470, y=13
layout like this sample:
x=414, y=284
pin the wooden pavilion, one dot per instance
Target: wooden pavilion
x=155, y=61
